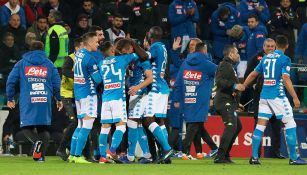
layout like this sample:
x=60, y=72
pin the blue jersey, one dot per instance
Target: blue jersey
x=136, y=74
x=113, y=71
x=159, y=59
x=85, y=74
x=273, y=66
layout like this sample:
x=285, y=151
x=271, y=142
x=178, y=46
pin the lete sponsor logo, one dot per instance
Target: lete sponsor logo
x=39, y=100
x=112, y=86
x=36, y=71
x=192, y=75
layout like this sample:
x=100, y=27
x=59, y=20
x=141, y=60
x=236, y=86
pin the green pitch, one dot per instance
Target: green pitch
x=55, y=166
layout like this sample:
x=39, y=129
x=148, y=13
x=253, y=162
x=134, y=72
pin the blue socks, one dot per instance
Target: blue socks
x=143, y=141
x=164, y=130
x=73, y=143
x=291, y=141
x=257, y=136
x=82, y=138
x=117, y=137
x=103, y=143
x=132, y=140
x=159, y=135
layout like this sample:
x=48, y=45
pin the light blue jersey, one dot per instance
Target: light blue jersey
x=159, y=60
x=136, y=74
x=113, y=71
x=85, y=74
x=273, y=66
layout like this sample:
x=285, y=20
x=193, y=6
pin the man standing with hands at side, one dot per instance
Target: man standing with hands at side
x=226, y=101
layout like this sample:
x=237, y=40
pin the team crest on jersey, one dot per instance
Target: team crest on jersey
x=192, y=75
x=35, y=71
x=112, y=86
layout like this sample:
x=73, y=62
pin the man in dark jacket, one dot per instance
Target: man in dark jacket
x=226, y=102
x=39, y=82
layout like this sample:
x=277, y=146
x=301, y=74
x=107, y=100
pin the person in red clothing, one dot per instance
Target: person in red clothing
x=33, y=9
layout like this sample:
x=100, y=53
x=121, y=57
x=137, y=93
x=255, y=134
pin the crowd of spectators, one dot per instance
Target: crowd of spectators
x=244, y=23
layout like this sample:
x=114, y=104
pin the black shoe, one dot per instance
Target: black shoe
x=229, y=160
x=254, y=161
x=220, y=160
x=62, y=155
x=280, y=156
x=167, y=161
x=168, y=154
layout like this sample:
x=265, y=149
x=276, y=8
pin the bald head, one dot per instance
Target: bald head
x=14, y=21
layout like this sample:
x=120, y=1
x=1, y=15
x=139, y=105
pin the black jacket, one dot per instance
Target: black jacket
x=225, y=79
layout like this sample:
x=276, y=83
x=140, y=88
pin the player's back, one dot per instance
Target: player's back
x=113, y=71
x=83, y=84
x=159, y=60
x=273, y=66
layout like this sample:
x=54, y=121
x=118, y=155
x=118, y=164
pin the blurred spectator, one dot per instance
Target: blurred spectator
x=10, y=8
x=33, y=10
x=115, y=31
x=222, y=20
x=81, y=27
x=283, y=22
x=141, y=20
x=125, y=9
x=59, y=6
x=94, y=14
x=18, y=31
x=57, y=41
x=39, y=28
x=302, y=11
x=258, y=34
x=255, y=7
x=30, y=37
x=182, y=15
x=161, y=17
x=239, y=35
x=10, y=54
x=108, y=8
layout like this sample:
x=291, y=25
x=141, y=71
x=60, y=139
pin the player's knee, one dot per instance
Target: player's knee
x=132, y=124
x=121, y=128
x=289, y=122
x=88, y=123
x=105, y=130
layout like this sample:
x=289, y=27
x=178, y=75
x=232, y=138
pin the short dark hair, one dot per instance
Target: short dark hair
x=88, y=1
x=227, y=49
x=117, y=15
x=41, y=17
x=106, y=46
x=7, y=34
x=88, y=36
x=94, y=28
x=36, y=45
x=156, y=32
x=253, y=16
x=122, y=43
x=77, y=42
x=223, y=11
x=200, y=46
x=281, y=41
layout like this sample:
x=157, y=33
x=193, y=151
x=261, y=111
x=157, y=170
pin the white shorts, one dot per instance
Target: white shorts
x=278, y=106
x=156, y=105
x=87, y=107
x=113, y=111
x=241, y=68
x=137, y=106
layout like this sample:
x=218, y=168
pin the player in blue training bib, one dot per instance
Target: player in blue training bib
x=275, y=68
x=113, y=111
x=86, y=76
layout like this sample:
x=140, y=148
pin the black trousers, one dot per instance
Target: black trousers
x=37, y=133
x=191, y=132
x=232, y=129
x=203, y=134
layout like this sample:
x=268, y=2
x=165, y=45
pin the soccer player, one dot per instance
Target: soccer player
x=86, y=74
x=113, y=70
x=140, y=76
x=156, y=106
x=275, y=68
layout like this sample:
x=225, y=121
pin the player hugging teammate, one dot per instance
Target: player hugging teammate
x=148, y=97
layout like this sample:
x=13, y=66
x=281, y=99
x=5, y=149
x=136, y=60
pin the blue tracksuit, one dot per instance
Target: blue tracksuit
x=219, y=28
x=301, y=48
x=5, y=14
x=247, y=8
x=181, y=24
x=255, y=41
x=241, y=43
x=194, y=85
x=39, y=80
